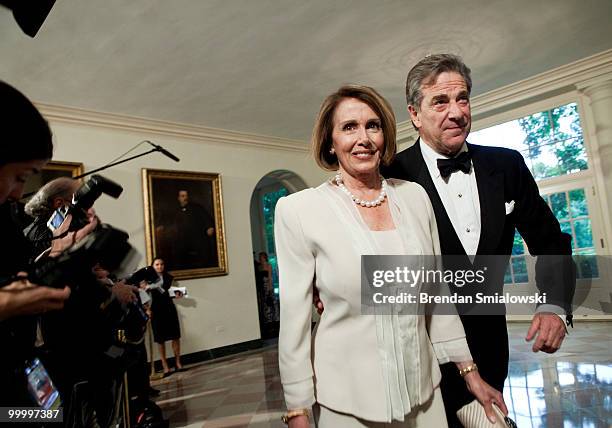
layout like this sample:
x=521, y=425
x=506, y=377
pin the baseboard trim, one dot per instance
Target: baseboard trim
x=212, y=354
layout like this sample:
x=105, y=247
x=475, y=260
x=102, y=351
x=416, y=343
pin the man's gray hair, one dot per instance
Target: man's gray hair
x=42, y=201
x=427, y=70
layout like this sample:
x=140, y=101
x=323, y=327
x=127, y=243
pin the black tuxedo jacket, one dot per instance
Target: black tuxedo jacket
x=501, y=177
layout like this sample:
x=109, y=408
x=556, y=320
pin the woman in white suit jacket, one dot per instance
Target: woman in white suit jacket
x=359, y=370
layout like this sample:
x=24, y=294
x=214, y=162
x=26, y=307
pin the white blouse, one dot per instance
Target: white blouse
x=376, y=367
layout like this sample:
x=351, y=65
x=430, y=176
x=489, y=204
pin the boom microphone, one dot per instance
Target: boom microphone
x=164, y=151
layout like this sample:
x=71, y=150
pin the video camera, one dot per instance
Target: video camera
x=92, y=322
x=147, y=274
x=134, y=318
x=131, y=319
x=105, y=245
x=82, y=200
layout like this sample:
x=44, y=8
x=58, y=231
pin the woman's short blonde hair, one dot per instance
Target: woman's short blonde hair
x=322, y=133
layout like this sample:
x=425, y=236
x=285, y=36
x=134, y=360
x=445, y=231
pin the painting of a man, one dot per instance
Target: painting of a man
x=184, y=222
x=195, y=234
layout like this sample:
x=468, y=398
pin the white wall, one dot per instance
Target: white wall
x=222, y=310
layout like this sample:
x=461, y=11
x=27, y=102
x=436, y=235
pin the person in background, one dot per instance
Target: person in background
x=270, y=301
x=138, y=373
x=164, y=318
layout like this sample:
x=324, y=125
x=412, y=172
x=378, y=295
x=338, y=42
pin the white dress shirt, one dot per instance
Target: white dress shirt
x=459, y=195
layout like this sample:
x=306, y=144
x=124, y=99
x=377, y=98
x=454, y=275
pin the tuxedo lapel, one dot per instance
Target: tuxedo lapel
x=491, y=196
x=449, y=241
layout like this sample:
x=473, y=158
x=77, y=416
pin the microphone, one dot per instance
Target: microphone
x=164, y=151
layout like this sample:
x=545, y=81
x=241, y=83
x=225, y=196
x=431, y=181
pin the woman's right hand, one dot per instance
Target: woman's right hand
x=299, y=422
x=485, y=394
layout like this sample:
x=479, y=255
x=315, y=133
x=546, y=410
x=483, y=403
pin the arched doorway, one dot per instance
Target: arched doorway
x=266, y=194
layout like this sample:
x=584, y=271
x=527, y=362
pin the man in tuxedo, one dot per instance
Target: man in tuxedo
x=480, y=195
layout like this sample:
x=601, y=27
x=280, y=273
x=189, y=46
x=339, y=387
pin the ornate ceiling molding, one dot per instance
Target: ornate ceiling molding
x=75, y=116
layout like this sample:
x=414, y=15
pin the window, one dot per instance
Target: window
x=551, y=141
x=571, y=209
x=516, y=272
x=552, y=144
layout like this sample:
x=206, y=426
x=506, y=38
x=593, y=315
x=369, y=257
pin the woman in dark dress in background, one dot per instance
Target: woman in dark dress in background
x=271, y=311
x=165, y=318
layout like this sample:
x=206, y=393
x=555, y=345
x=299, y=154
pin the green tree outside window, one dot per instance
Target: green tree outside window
x=269, y=201
x=554, y=144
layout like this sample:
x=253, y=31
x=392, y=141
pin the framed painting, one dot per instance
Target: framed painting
x=184, y=222
x=51, y=171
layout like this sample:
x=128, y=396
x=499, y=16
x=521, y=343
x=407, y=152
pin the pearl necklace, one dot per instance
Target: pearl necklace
x=368, y=204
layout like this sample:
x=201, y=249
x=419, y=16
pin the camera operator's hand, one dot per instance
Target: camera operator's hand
x=124, y=293
x=61, y=244
x=21, y=297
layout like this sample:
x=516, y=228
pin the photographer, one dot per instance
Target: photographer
x=25, y=147
x=138, y=377
x=87, y=346
x=81, y=345
x=53, y=195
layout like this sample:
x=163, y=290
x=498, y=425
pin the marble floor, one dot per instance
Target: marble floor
x=572, y=388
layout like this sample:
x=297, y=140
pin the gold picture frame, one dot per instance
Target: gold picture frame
x=51, y=171
x=184, y=222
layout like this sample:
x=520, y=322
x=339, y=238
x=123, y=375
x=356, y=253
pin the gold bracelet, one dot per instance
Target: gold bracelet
x=293, y=413
x=471, y=368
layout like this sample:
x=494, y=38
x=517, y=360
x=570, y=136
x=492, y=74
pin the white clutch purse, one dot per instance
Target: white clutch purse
x=473, y=416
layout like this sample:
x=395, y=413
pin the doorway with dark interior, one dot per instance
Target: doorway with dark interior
x=266, y=194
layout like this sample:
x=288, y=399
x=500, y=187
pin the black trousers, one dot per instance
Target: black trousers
x=487, y=337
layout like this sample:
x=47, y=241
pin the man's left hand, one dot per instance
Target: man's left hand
x=550, y=330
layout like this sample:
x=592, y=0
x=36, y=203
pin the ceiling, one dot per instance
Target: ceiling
x=264, y=66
